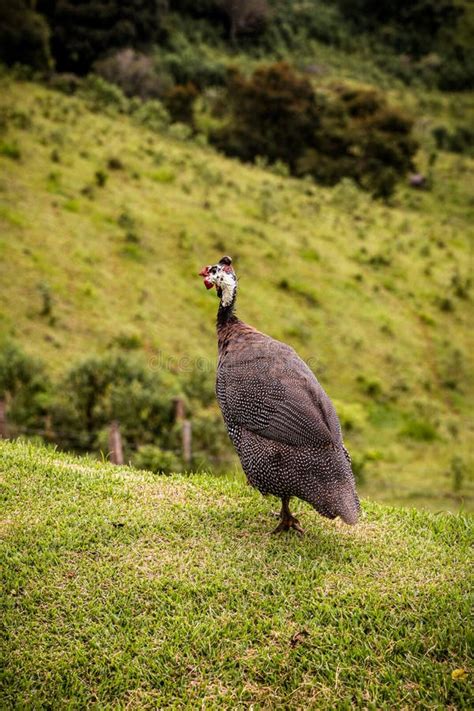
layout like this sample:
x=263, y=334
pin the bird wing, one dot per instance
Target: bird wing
x=264, y=386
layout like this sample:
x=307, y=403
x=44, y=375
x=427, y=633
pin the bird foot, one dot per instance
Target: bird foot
x=287, y=523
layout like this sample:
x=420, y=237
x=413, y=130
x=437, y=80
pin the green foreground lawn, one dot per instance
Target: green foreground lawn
x=127, y=590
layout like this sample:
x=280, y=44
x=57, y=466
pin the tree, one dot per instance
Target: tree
x=410, y=25
x=273, y=114
x=245, y=16
x=360, y=137
x=84, y=30
x=24, y=35
x=179, y=101
x=345, y=132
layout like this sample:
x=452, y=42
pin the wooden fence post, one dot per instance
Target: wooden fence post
x=179, y=411
x=115, y=443
x=187, y=442
x=3, y=420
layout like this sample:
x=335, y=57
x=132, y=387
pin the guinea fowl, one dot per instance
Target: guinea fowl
x=281, y=422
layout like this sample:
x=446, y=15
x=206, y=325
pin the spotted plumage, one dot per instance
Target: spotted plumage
x=282, y=423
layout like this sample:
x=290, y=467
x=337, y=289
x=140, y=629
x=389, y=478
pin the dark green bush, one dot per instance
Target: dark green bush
x=346, y=133
x=180, y=102
x=152, y=115
x=84, y=31
x=186, y=61
x=101, y=178
x=102, y=96
x=76, y=412
x=10, y=150
x=370, y=386
x=155, y=459
x=362, y=138
x=24, y=35
x=114, y=163
x=273, y=114
x=199, y=385
x=419, y=430
x=66, y=83
x=112, y=387
x=294, y=24
x=26, y=388
x=460, y=140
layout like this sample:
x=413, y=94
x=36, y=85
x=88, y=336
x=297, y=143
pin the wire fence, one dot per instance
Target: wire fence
x=117, y=440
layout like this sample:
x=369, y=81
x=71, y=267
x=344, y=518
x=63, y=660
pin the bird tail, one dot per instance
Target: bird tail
x=349, y=508
x=348, y=505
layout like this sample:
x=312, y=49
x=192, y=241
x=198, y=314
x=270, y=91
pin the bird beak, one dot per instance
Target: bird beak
x=205, y=273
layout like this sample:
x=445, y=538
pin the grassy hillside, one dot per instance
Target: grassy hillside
x=376, y=297
x=125, y=590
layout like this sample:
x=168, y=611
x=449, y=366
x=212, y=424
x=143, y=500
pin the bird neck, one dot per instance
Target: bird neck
x=225, y=313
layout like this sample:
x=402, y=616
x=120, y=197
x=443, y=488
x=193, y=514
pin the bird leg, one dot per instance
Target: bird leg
x=287, y=520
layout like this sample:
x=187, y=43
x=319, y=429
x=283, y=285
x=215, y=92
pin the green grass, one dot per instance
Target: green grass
x=127, y=590
x=368, y=285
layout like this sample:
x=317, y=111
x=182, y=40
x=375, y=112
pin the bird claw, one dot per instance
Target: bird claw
x=286, y=524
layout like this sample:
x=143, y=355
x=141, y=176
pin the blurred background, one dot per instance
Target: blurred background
x=327, y=146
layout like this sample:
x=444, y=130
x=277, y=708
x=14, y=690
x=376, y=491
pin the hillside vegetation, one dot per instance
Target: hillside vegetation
x=105, y=224
x=125, y=590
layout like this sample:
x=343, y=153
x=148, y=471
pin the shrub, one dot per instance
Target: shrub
x=66, y=83
x=461, y=140
x=10, y=150
x=180, y=131
x=292, y=25
x=419, y=430
x=127, y=341
x=25, y=386
x=199, y=385
x=352, y=416
x=164, y=174
x=134, y=72
x=101, y=178
x=156, y=460
x=180, y=102
x=114, y=163
x=153, y=115
x=99, y=390
x=102, y=96
x=210, y=439
x=190, y=61
x=370, y=386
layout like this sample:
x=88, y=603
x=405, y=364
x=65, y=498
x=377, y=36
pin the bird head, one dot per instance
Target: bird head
x=222, y=276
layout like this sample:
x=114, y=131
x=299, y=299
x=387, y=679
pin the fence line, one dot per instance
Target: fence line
x=115, y=440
